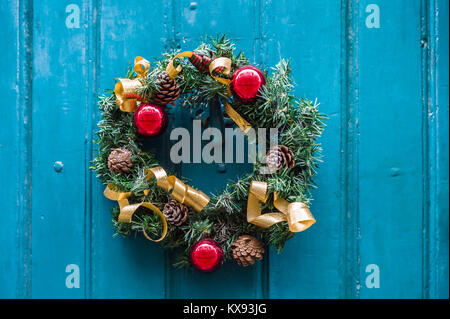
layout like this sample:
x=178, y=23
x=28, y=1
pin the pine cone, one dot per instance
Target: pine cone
x=280, y=157
x=168, y=90
x=119, y=161
x=221, y=232
x=246, y=249
x=175, y=212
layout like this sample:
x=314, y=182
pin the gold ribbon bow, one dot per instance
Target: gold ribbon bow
x=127, y=210
x=125, y=89
x=183, y=193
x=225, y=63
x=297, y=214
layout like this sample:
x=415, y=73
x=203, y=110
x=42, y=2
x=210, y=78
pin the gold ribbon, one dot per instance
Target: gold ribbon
x=183, y=193
x=171, y=70
x=125, y=89
x=297, y=214
x=225, y=63
x=127, y=210
x=237, y=118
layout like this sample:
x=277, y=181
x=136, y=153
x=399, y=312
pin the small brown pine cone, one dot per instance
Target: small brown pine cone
x=247, y=249
x=168, y=90
x=280, y=157
x=119, y=161
x=175, y=212
x=221, y=232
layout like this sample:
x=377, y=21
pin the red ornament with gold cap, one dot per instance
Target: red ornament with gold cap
x=246, y=82
x=151, y=120
x=206, y=255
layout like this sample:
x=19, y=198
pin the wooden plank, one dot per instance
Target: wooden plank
x=383, y=186
x=132, y=267
x=390, y=158
x=442, y=128
x=308, y=266
x=194, y=21
x=15, y=150
x=60, y=117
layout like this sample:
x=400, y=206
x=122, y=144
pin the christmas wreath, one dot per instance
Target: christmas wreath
x=257, y=210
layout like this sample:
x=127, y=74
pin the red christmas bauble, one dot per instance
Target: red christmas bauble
x=246, y=82
x=206, y=255
x=151, y=120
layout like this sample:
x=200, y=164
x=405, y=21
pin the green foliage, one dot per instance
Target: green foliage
x=224, y=219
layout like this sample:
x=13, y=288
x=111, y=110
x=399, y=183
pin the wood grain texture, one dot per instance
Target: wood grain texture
x=15, y=149
x=132, y=267
x=435, y=117
x=439, y=14
x=391, y=194
x=383, y=187
x=60, y=113
x=315, y=56
x=349, y=145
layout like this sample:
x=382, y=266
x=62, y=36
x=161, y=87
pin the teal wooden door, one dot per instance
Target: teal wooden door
x=380, y=70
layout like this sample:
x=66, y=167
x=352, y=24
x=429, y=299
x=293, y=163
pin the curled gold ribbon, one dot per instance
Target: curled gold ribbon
x=171, y=70
x=183, y=193
x=297, y=214
x=225, y=64
x=125, y=89
x=141, y=66
x=127, y=210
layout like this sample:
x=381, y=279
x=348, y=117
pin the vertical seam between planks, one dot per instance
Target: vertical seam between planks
x=24, y=119
x=87, y=145
x=438, y=145
x=428, y=33
x=435, y=167
x=98, y=46
x=441, y=99
x=349, y=245
x=435, y=151
x=92, y=37
x=425, y=185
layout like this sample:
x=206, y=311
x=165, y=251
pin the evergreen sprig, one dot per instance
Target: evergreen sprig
x=224, y=219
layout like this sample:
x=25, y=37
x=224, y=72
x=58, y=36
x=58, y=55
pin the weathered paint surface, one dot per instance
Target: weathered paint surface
x=382, y=200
